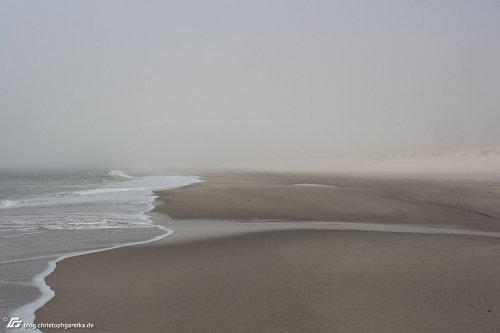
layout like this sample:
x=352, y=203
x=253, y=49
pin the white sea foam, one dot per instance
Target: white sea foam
x=314, y=185
x=117, y=206
x=19, y=235
x=113, y=191
x=107, y=190
x=8, y=203
x=27, y=312
x=120, y=174
x=119, y=199
x=71, y=221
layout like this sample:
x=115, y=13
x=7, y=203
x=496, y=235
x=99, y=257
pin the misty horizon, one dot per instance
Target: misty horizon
x=242, y=85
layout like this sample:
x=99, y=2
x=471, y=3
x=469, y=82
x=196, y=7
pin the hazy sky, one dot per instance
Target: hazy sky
x=228, y=83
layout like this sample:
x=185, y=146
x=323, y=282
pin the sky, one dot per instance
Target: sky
x=195, y=84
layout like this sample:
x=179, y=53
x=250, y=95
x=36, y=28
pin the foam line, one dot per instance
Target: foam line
x=27, y=312
x=314, y=185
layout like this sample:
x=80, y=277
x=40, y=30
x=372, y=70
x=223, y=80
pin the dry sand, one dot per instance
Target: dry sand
x=299, y=281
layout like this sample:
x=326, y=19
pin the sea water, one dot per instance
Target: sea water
x=49, y=215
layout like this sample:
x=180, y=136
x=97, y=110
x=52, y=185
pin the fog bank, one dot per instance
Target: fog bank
x=260, y=84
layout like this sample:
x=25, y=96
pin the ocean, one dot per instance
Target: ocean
x=48, y=215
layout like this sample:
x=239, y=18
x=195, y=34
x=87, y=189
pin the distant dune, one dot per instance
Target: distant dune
x=484, y=160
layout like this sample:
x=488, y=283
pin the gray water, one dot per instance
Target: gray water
x=46, y=215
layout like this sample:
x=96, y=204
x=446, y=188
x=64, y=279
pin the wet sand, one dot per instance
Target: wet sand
x=298, y=280
x=402, y=200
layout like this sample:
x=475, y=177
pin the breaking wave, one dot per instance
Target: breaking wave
x=120, y=174
x=8, y=203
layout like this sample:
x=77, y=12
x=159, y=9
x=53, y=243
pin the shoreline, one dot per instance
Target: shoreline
x=27, y=312
x=198, y=287
x=141, y=267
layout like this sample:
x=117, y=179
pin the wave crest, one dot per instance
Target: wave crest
x=7, y=203
x=119, y=174
x=107, y=190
